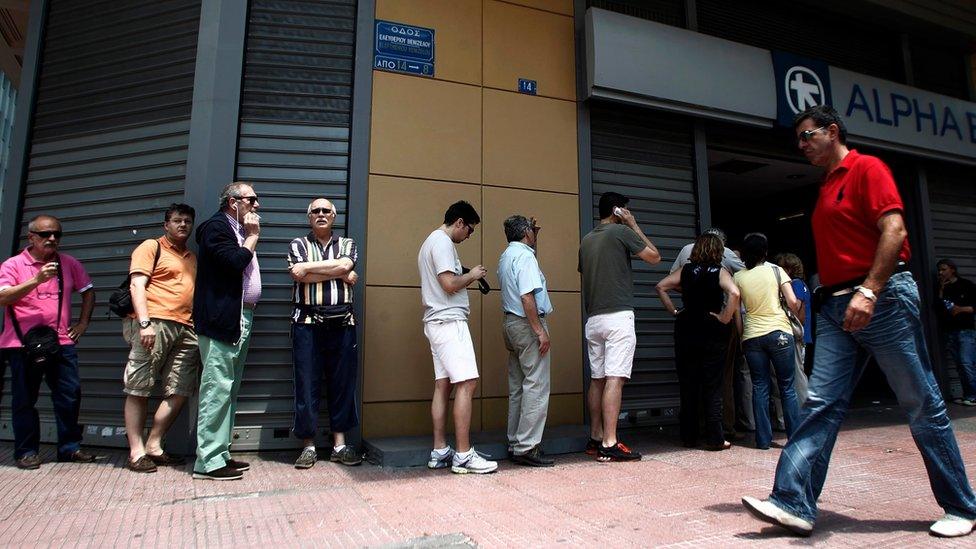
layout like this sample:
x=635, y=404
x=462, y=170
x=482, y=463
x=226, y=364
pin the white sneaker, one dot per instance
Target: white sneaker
x=767, y=511
x=472, y=463
x=951, y=526
x=439, y=460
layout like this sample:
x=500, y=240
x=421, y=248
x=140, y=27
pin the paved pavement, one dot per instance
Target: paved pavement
x=877, y=495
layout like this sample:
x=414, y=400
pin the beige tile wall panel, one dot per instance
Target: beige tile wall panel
x=520, y=42
x=457, y=26
x=398, y=419
x=397, y=362
x=558, y=247
x=564, y=333
x=402, y=213
x=530, y=142
x=425, y=128
x=563, y=410
x=564, y=7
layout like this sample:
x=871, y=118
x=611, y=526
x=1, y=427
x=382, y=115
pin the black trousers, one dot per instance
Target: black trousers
x=320, y=351
x=701, y=348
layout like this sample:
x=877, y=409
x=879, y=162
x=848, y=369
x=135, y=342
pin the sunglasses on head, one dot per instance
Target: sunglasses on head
x=807, y=134
x=47, y=234
x=317, y=211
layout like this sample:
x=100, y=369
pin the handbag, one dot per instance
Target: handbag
x=120, y=302
x=800, y=381
x=42, y=344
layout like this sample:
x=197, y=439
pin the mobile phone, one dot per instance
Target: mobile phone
x=617, y=211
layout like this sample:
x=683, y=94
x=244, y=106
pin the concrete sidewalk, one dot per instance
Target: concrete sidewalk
x=876, y=495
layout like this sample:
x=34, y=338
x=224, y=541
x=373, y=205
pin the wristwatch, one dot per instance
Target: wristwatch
x=867, y=293
x=144, y=324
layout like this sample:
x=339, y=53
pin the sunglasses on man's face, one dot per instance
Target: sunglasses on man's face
x=47, y=234
x=318, y=211
x=250, y=199
x=806, y=135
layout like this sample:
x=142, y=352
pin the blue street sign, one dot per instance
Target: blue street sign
x=528, y=86
x=404, y=48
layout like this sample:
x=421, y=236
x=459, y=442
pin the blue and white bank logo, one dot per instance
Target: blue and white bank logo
x=803, y=89
x=801, y=83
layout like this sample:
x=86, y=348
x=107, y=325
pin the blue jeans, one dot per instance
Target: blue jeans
x=65, y=386
x=776, y=348
x=316, y=351
x=894, y=337
x=962, y=346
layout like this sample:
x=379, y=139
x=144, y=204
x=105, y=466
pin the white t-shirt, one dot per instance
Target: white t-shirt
x=438, y=255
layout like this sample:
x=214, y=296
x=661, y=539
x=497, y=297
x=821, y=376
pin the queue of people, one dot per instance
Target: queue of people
x=193, y=316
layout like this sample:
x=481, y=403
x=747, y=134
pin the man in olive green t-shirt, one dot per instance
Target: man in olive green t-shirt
x=608, y=296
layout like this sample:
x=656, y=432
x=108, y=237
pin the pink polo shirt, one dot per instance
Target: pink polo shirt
x=40, y=305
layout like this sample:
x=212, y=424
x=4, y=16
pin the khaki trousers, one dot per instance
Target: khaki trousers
x=528, y=383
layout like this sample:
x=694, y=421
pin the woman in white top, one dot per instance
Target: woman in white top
x=767, y=336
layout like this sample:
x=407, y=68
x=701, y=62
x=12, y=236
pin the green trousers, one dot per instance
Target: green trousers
x=223, y=369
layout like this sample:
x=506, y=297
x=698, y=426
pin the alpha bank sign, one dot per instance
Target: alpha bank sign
x=876, y=110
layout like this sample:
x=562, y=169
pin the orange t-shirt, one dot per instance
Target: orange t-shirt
x=169, y=294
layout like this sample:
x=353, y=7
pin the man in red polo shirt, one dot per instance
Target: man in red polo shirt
x=868, y=303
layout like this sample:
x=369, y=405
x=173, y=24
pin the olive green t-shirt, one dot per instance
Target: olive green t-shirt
x=604, y=261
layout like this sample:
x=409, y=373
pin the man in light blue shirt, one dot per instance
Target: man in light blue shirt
x=526, y=305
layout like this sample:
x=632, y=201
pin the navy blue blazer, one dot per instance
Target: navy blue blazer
x=220, y=280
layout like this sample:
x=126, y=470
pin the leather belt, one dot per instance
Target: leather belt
x=250, y=306
x=845, y=288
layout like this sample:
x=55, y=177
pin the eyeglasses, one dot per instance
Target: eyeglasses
x=807, y=134
x=47, y=234
x=470, y=228
x=250, y=199
x=317, y=211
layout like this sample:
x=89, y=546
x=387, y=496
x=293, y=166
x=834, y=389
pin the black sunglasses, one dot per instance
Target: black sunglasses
x=47, y=234
x=250, y=199
x=807, y=134
x=318, y=211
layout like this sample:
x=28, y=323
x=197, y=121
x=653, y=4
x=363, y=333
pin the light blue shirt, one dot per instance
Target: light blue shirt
x=519, y=274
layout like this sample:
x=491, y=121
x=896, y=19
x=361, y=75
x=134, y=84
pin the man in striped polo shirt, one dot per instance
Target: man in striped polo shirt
x=323, y=334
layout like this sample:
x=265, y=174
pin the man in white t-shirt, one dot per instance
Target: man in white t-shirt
x=443, y=291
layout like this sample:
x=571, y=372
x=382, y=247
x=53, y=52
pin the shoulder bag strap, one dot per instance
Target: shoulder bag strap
x=13, y=316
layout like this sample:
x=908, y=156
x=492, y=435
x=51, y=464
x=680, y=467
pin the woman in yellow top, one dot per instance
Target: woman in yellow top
x=767, y=336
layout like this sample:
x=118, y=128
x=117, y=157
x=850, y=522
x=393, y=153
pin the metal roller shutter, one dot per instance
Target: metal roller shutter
x=293, y=145
x=649, y=157
x=952, y=202
x=107, y=154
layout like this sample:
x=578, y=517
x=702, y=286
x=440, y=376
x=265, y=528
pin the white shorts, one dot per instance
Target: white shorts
x=453, y=350
x=610, y=343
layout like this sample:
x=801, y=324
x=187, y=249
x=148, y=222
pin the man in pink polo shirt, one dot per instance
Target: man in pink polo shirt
x=32, y=284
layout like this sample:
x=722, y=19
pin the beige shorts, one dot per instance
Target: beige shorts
x=611, y=340
x=174, y=359
x=453, y=350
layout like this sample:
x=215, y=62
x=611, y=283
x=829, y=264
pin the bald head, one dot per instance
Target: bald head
x=321, y=216
x=46, y=220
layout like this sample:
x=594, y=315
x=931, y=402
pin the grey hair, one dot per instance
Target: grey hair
x=717, y=232
x=335, y=209
x=515, y=227
x=32, y=224
x=231, y=190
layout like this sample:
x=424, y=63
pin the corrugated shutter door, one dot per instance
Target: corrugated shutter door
x=294, y=146
x=952, y=200
x=107, y=155
x=649, y=157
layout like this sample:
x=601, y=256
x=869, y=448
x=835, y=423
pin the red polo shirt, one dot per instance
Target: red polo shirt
x=853, y=197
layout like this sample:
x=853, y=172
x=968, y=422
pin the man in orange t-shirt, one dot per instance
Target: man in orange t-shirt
x=160, y=331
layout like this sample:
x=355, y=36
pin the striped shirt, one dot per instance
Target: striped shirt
x=335, y=295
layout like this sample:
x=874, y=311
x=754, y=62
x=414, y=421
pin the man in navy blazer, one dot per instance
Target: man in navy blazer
x=228, y=288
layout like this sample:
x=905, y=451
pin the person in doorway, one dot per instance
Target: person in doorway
x=957, y=296
x=701, y=337
x=323, y=334
x=35, y=290
x=443, y=289
x=730, y=259
x=767, y=337
x=608, y=298
x=161, y=336
x=526, y=305
x=869, y=304
x=228, y=288
x=793, y=265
